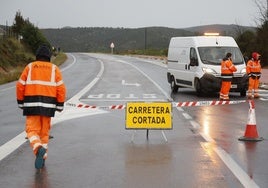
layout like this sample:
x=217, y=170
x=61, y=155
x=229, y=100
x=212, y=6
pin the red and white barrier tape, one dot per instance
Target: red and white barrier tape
x=178, y=104
x=206, y=103
x=112, y=107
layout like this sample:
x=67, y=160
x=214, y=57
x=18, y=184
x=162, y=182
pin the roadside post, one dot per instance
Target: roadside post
x=112, y=47
x=148, y=116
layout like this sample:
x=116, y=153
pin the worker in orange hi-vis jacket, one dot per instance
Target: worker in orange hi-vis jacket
x=227, y=69
x=254, y=72
x=40, y=92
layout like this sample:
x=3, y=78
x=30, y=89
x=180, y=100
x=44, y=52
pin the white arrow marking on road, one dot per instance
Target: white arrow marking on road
x=130, y=84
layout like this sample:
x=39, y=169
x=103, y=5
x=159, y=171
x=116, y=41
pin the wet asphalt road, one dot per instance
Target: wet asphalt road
x=92, y=148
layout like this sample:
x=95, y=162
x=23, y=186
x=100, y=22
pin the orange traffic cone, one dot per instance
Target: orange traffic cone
x=251, y=133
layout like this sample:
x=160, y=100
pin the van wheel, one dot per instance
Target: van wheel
x=198, y=87
x=173, y=86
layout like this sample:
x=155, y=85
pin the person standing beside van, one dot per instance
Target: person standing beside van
x=227, y=69
x=254, y=72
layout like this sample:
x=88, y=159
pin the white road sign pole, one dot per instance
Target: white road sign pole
x=112, y=48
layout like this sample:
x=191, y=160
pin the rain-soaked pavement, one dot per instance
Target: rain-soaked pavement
x=97, y=151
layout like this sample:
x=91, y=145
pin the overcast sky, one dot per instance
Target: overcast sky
x=130, y=13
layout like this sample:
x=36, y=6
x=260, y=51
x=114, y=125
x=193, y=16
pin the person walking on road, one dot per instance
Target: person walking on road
x=254, y=72
x=40, y=92
x=227, y=69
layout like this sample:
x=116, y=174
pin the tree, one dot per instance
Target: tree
x=262, y=32
x=246, y=41
x=263, y=11
x=31, y=35
x=18, y=24
x=262, y=42
x=257, y=42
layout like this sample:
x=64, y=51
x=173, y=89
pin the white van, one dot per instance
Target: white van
x=195, y=62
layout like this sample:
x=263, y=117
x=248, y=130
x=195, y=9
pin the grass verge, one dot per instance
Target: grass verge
x=15, y=73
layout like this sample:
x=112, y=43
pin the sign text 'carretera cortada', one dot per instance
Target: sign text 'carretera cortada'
x=147, y=115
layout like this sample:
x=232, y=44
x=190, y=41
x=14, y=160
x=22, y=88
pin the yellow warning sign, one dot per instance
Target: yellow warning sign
x=145, y=115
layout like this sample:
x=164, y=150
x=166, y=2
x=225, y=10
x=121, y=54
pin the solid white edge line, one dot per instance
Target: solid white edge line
x=69, y=66
x=207, y=138
x=241, y=175
x=8, y=88
x=238, y=172
x=17, y=141
x=12, y=145
x=75, y=98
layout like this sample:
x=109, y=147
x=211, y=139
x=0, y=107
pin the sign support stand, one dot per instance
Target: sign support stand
x=132, y=137
x=147, y=135
x=163, y=134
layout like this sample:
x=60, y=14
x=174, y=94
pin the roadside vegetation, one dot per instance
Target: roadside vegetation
x=15, y=56
x=18, y=46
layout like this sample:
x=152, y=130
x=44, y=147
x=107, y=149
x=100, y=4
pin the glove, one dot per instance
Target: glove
x=59, y=108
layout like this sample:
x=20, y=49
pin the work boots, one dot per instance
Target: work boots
x=40, y=161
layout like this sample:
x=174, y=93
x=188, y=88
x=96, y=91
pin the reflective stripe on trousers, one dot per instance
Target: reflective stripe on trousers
x=225, y=88
x=37, y=129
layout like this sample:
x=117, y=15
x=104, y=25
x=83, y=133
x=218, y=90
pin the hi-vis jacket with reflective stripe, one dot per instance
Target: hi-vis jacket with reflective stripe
x=227, y=69
x=40, y=89
x=254, y=68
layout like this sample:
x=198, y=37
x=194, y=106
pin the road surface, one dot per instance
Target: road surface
x=92, y=148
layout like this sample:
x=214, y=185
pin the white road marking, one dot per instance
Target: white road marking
x=166, y=95
x=207, y=137
x=122, y=97
x=12, y=145
x=187, y=116
x=124, y=83
x=69, y=66
x=68, y=113
x=154, y=62
x=180, y=109
x=238, y=172
x=8, y=88
x=122, y=100
x=195, y=125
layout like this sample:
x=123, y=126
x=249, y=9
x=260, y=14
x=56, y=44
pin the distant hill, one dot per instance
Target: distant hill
x=227, y=30
x=98, y=39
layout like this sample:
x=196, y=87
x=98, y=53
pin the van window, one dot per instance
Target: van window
x=214, y=55
x=193, y=57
